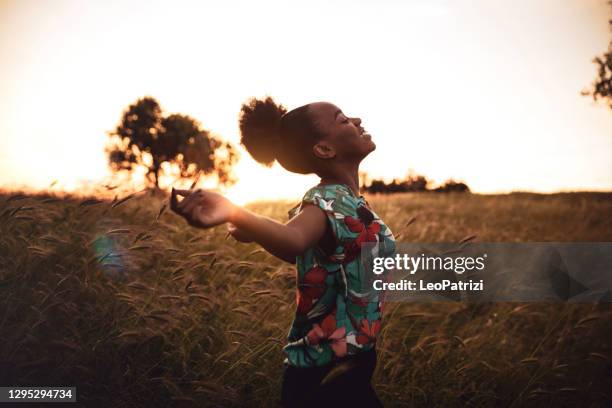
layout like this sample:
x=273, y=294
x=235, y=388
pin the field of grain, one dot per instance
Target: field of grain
x=124, y=300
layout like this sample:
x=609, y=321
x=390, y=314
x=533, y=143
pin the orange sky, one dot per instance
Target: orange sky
x=484, y=91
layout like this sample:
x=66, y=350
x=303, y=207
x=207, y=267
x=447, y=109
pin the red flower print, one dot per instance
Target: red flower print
x=327, y=331
x=366, y=229
x=323, y=331
x=311, y=289
x=353, y=224
x=351, y=251
x=367, y=232
x=367, y=331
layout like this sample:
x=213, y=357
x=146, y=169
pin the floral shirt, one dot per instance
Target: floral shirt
x=335, y=315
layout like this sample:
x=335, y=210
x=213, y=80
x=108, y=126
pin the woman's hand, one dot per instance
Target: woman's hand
x=238, y=234
x=201, y=208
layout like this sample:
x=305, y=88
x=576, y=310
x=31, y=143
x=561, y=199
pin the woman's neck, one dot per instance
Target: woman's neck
x=348, y=176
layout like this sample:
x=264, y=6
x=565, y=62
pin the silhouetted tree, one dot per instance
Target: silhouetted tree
x=145, y=137
x=602, y=86
x=416, y=183
x=412, y=183
x=451, y=185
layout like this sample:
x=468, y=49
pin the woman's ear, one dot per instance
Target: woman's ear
x=323, y=150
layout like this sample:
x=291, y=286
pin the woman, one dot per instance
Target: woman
x=330, y=354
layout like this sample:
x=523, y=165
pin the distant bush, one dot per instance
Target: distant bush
x=414, y=183
x=452, y=186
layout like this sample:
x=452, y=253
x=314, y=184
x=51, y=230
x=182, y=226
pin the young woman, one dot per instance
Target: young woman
x=330, y=353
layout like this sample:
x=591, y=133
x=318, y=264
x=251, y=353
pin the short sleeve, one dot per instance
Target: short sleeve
x=329, y=200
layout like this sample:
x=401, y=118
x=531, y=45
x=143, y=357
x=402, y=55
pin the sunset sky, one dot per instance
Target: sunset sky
x=482, y=91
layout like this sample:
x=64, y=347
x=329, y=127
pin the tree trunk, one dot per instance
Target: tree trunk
x=156, y=168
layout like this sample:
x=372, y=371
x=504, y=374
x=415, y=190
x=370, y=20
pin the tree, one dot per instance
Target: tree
x=602, y=86
x=146, y=137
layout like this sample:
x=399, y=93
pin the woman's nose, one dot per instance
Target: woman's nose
x=357, y=121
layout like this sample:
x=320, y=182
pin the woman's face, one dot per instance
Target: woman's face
x=345, y=137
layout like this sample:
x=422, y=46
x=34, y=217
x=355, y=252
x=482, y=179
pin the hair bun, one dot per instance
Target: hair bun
x=259, y=123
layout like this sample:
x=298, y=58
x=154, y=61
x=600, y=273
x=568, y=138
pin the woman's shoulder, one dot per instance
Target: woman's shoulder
x=331, y=198
x=323, y=191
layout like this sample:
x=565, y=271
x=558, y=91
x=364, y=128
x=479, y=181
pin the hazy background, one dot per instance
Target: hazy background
x=483, y=91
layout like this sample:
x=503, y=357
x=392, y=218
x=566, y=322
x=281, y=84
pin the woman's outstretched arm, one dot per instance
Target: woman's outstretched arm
x=285, y=241
x=205, y=209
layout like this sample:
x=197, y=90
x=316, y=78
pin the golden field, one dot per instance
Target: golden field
x=127, y=302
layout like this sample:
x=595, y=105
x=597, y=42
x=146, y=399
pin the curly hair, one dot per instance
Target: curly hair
x=270, y=133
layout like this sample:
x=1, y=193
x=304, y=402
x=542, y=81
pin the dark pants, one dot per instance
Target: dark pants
x=344, y=383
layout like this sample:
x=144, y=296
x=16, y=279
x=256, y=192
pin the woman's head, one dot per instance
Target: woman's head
x=314, y=138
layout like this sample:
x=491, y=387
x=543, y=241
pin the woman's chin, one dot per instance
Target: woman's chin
x=372, y=147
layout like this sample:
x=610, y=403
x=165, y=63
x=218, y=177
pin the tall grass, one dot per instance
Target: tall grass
x=124, y=300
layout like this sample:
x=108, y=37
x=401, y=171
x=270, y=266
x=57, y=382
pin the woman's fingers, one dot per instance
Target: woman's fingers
x=174, y=202
x=181, y=207
x=188, y=198
x=190, y=203
x=188, y=208
x=183, y=193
